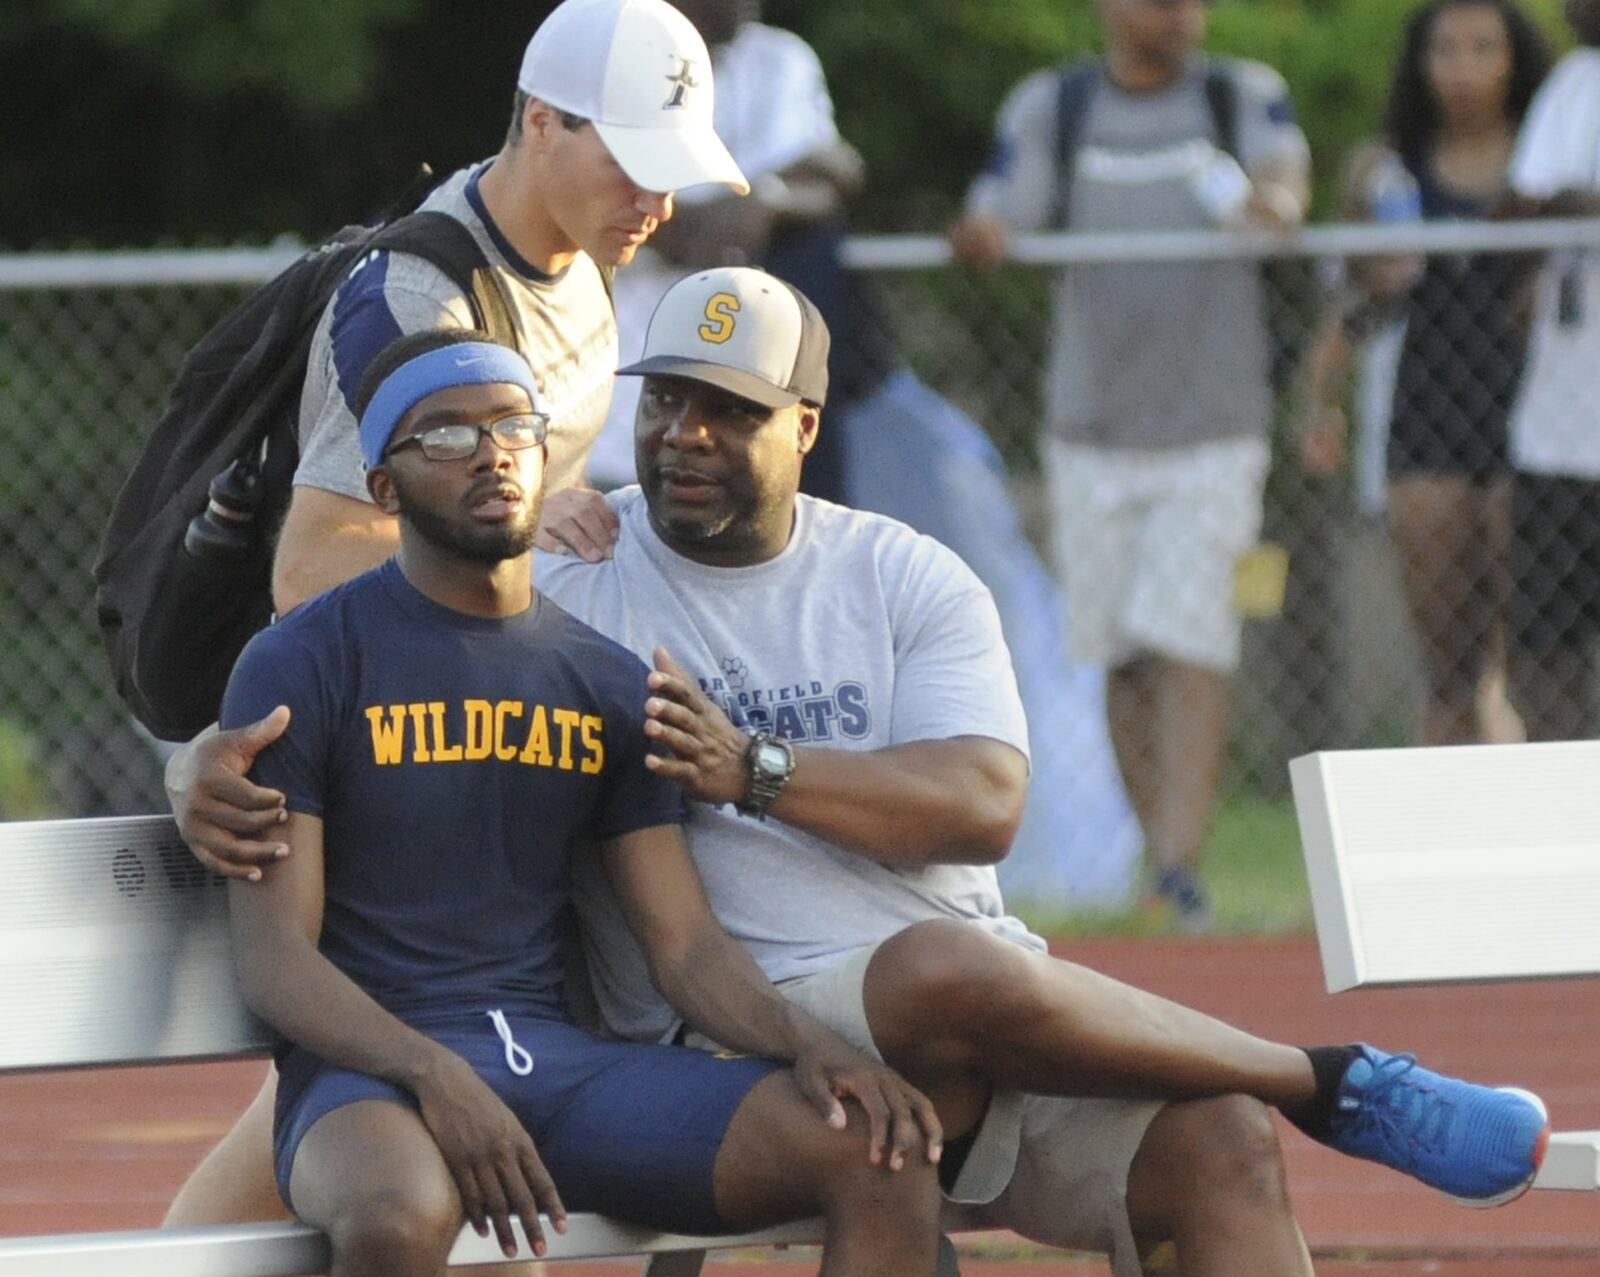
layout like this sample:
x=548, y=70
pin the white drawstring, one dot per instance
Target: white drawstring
x=517, y=1059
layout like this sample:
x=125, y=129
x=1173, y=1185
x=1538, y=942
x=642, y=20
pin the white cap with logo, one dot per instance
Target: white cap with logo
x=640, y=71
x=742, y=330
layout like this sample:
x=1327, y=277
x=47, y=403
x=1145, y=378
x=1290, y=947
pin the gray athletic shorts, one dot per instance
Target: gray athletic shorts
x=1053, y=1169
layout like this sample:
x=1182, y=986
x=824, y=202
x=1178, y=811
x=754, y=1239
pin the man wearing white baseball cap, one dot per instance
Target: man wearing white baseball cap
x=612, y=113
x=640, y=72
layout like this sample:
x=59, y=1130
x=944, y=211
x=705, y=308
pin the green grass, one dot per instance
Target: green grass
x=1251, y=866
x=22, y=787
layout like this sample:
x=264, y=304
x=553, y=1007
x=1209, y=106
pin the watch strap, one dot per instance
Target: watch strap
x=762, y=786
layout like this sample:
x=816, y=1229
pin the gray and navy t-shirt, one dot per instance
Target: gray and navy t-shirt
x=1144, y=355
x=460, y=765
x=862, y=634
x=564, y=323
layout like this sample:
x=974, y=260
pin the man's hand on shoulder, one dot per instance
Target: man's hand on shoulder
x=578, y=521
x=227, y=820
x=899, y=1117
x=706, y=752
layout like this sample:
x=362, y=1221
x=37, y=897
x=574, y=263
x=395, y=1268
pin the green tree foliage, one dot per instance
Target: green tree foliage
x=143, y=121
x=318, y=55
x=140, y=122
x=915, y=87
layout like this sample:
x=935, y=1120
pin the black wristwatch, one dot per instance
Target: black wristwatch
x=768, y=762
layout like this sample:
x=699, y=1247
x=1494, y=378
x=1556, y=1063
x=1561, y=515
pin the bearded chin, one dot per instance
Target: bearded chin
x=487, y=544
x=699, y=530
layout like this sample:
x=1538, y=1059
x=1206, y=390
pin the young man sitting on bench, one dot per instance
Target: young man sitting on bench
x=457, y=745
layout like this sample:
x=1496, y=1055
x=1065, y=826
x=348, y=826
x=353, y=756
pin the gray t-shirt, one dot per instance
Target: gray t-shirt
x=564, y=326
x=1144, y=355
x=860, y=635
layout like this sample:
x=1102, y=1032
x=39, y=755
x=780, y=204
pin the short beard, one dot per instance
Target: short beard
x=489, y=544
x=696, y=531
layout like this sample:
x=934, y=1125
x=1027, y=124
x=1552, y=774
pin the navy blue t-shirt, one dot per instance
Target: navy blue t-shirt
x=458, y=763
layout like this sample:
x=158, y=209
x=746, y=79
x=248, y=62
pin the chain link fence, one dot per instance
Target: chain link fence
x=1396, y=621
x=1429, y=598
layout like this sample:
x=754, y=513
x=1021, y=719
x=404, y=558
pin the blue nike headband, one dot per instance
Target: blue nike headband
x=466, y=363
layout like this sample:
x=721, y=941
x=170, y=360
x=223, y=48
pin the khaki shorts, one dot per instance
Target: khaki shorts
x=1053, y=1169
x=1147, y=543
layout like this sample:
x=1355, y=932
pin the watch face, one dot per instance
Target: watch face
x=772, y=760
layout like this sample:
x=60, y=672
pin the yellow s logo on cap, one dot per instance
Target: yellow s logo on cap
x=720, y=311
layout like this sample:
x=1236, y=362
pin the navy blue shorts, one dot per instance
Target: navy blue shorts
x=625, y=1129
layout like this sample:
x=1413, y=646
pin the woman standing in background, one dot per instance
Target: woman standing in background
x=1466, y=73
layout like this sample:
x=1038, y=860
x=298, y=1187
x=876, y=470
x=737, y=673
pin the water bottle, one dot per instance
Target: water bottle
x=226, y=528
x=1393, y=195
x=1222, y=188
x=1393, y=199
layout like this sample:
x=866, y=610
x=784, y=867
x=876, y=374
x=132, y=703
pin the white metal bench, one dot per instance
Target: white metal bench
x=1473, y=862
x=113, y=950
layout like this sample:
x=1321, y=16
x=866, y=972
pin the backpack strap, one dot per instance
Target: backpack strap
x=440, y=239
x=1222, y=100
x=1074, y=91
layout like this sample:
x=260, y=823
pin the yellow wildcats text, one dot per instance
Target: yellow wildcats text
x=510, y=731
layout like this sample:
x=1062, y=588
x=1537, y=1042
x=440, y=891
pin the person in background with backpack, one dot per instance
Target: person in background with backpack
x=612, y=113
x=1158, y=395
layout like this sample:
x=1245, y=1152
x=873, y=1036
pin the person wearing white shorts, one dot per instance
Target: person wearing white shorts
x=1148, y=543
x=1157, y=394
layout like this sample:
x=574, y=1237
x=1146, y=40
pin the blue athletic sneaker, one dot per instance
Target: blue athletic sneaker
x=1480, y=1144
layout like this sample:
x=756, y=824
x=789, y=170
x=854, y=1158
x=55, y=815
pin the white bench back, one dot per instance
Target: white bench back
x=113, y=948
x=1464, y=863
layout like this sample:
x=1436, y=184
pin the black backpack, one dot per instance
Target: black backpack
x=184, y=573
x=1291, y=293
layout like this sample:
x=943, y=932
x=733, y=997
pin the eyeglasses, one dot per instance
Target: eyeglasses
x=453, y=442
